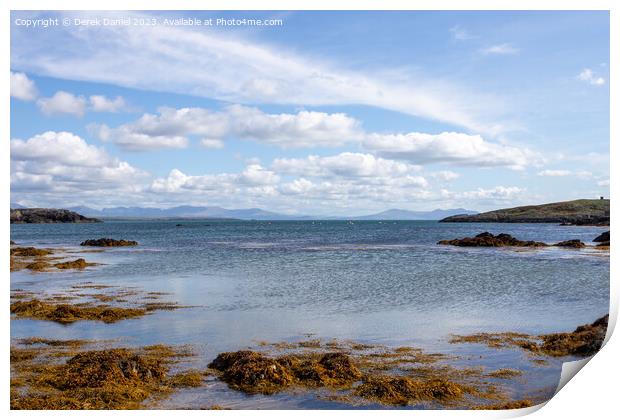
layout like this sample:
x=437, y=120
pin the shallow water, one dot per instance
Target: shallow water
x=378, y=282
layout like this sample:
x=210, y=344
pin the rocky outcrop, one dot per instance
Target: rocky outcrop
x=571, y=243
x=603, y=237
x=586, y=340
x=577, y=212
x=108, y=242
x=487, y=239
x=40, y=215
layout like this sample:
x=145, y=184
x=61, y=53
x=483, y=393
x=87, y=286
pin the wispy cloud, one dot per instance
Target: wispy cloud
x=217, y=65
x=500, y=49
x=588, y=76
x=461, y=34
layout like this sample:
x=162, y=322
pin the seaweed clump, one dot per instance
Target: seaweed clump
x=78, y=264
x=253, y=372
x=67, y=313
x=510, y=405
x=584, y=341
x=30, y=252
x=108, y=242
x=400, y=390
x=118, y=378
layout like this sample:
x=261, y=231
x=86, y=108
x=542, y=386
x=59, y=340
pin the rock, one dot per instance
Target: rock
x=487, y=239
x=571, y=243
x=107, y=242
x=40, y=215
x=586, y=340
x=603, y=237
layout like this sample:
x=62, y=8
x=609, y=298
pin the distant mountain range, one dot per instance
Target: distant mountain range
x=254, y=213
x=250, y=214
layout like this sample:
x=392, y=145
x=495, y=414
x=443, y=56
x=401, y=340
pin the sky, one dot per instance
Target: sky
x=325, y=113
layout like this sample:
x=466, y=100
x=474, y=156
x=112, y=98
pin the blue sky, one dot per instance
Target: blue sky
x=330, y=113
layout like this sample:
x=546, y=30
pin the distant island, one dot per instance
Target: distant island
x=41, y=215
x=576, y=212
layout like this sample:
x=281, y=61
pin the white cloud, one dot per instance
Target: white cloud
x=218, y=65
x=62, y=163
x=347, y=165
x=445, y=175
x=554, y=172
x=588, y=76
x=219, y=185
x=499, y=193
x=603, y=183
x=461, y=34
x=459, y=148
x=500, y=49
x=100, y=103
x=171, y=127
x=22, y=87
x=63, y=103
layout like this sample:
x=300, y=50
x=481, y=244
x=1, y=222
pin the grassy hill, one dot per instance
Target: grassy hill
x=570, y=212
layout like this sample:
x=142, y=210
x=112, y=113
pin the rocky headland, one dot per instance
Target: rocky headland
x=41, y=215
x=576, y=212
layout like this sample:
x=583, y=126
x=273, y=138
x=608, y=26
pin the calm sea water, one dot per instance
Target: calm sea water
x=382, y=282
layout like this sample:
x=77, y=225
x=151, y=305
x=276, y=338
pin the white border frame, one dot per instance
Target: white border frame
x=592, y=395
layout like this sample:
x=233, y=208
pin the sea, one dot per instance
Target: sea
x=376, y=282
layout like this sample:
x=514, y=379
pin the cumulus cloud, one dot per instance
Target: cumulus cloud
x=500, y=49
x=588, y=76
x=347, y=165
x=253, y=175
x=171, y=127
x=603, y=183
x=451, y=147
x=63, y=163
x=22, y=87
x=63, y=103
x=225, y=67
x=100, y=103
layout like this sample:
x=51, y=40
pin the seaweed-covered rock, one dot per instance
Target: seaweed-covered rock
x=78, y=264
x=571, y=243
x=99, y=368
x=603, y=237
x=486, y=239
x=252, y=372
x=108, y=242
x=586, y=340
